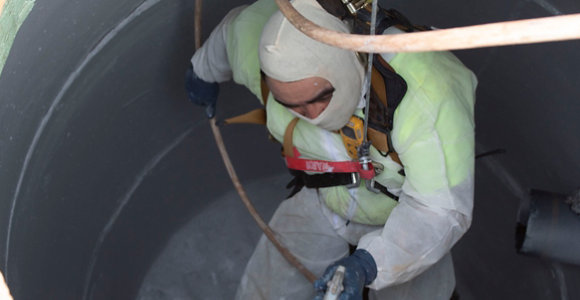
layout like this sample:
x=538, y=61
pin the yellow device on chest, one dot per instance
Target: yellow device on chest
x=352, y=136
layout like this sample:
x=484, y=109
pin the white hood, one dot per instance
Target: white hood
x=286, y=54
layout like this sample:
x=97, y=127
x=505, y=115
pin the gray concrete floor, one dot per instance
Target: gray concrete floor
x=206, y=258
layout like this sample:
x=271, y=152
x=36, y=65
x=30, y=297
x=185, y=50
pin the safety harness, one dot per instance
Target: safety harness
x=387, y=90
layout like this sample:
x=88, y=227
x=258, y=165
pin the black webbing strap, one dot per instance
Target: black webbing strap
x=301, y=179
x=385, y=191
x=322, y=180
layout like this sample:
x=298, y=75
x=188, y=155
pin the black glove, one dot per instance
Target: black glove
x=201, y=92
x=361, y=270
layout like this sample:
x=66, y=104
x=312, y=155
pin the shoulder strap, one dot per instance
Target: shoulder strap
x=387, y=90
x=382, y=142
x=289, y=138
x=264, y=89
x=256, y=116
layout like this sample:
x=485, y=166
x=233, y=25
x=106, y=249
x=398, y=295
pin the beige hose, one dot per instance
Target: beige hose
x=232, y=172
x=529, y=31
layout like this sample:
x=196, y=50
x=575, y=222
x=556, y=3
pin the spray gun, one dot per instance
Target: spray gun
x=335, y=285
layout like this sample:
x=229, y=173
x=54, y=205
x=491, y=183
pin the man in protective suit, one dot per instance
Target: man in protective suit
x=403, y=238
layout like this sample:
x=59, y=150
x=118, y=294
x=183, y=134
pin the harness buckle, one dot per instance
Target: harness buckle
x=370, y=185
x=368, y=165
x=355, y=181
x=354, y=6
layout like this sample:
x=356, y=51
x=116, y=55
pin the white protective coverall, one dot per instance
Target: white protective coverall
x=433, y=133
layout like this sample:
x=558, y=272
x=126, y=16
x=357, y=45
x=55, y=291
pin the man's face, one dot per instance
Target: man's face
x=308, y=97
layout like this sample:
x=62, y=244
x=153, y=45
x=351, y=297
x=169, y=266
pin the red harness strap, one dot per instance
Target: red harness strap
x=325, y=166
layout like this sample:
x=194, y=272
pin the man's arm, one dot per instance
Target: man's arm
x=210, y=62
x=414, y=238
x=434, y=136
x=209, y=66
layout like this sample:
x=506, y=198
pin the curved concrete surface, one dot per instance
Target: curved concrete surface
x=105, y=168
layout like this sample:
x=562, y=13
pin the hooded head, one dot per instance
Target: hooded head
x=288, y=55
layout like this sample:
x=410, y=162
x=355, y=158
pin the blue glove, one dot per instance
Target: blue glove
x=361, y=270
x=201, y=92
